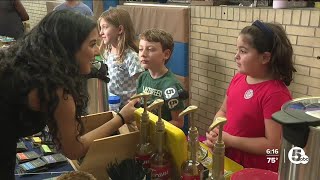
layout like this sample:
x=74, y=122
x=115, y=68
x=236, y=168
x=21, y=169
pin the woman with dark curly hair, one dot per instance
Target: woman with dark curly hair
x=41, y=83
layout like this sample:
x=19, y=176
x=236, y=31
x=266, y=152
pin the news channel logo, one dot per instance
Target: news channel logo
x=296, y=155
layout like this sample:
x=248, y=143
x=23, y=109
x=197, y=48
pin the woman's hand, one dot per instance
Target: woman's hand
x=128, y=111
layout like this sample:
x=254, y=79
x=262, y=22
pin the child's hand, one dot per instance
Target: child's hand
x=211, y=138
x=225, y=136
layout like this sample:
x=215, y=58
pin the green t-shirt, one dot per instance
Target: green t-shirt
x=159, y=88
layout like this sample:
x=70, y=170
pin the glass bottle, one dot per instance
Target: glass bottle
x=192, y=169
x=161, y=168
x=144, y=148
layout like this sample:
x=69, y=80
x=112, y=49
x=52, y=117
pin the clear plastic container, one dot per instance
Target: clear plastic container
x=114, y=103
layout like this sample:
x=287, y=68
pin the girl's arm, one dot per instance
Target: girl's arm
x=259, y=145
x=67, y=127
x=212, y=135
x=223, y=109
x=21, y=10
x=272, y=139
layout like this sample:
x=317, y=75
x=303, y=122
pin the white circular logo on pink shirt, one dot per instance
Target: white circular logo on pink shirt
x=248, y=94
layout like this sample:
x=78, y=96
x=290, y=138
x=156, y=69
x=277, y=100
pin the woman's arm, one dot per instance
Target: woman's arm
x=21, y=10
x=67, y=127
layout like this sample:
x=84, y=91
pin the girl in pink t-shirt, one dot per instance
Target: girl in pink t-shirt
x=259, y=89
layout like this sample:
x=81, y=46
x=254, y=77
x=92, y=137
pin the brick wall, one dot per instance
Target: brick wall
x=214, y=31
x=36, y=9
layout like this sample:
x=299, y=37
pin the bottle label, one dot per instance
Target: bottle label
x=145, y=160
x=114, y=107
x=188, y=177
x=160, y=172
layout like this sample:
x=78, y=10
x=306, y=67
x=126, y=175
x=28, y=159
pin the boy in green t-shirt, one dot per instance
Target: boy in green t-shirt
x=155, y=49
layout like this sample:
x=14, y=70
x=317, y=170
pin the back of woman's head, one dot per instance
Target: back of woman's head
x=63, y=32
x=270, y=37
x=120, y=17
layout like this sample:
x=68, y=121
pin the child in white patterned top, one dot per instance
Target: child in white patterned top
x=119, y=52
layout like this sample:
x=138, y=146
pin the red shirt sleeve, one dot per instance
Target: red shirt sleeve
x=274, y=102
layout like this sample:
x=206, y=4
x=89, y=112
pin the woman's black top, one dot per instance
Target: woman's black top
x=16, y=121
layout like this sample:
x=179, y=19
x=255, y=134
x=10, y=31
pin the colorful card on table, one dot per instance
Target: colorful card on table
x=27, y=156
x=33, y=166
x=21, y=147
x=54, y=159
x=46, y=150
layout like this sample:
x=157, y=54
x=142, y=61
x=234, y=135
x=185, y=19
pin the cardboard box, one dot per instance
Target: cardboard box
x=123, y=146
x=105, y=150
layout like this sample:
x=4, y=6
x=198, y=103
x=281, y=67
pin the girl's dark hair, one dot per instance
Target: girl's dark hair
x=44, y=59
x=279, y=46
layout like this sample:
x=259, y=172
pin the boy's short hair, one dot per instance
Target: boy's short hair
x=159, y=35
